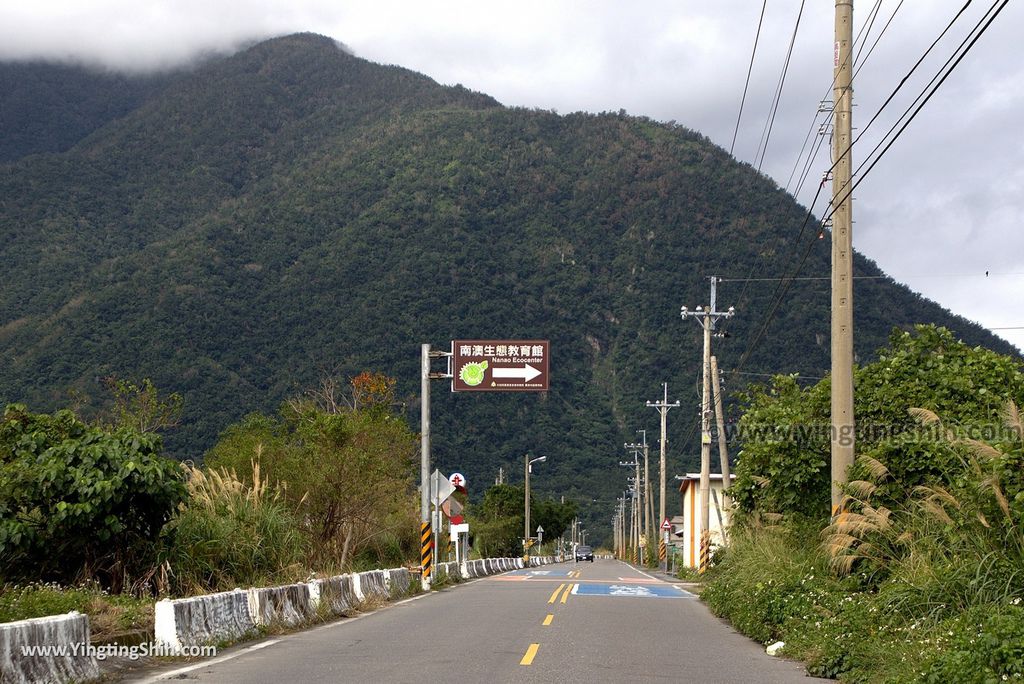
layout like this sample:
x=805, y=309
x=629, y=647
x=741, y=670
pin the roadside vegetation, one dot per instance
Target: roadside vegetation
x=94, y=518
x=921, y=577
x=92, y=515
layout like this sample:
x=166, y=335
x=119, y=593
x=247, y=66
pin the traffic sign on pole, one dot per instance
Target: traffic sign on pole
x=666, y=525
x=440, y=488
x=458, y=481
x=500, y=365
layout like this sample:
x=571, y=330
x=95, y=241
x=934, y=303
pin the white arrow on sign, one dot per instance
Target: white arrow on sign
x=524, y=373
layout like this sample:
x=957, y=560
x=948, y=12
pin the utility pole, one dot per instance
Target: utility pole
x=636, y=503
x=645, y=501
x=707, y=319
x=723, y=450
x=649, y=511
x=426, y=555
x=842, y=255
x=663, y=406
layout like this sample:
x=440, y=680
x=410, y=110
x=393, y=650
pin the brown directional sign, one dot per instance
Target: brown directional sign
x=500, y=365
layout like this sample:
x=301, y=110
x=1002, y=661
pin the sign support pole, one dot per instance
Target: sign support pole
x=425, y=536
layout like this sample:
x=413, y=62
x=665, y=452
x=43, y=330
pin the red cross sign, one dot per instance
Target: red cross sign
x=458, y=481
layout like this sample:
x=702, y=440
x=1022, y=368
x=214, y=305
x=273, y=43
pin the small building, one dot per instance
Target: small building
x=690, y=530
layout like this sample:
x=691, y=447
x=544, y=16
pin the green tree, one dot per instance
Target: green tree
x=348, y=472
x=497, y=522
x=142, y=407
x=81, y=501
x=783, y=464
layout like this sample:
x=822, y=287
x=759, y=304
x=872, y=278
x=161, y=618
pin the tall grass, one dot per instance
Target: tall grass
x=950, y=547
x=927, y=587
x=232, y=533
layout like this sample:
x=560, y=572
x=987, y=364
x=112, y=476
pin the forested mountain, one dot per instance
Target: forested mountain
x=239, y=230
x=49, y=107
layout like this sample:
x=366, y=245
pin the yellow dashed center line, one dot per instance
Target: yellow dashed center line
x=548, y=619
x=554, y=596
x=531, y=653
x=565, y=596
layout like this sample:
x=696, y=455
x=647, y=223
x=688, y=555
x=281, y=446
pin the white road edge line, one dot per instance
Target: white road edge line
x=642, y=572
x=207, y=663
x=649, y=576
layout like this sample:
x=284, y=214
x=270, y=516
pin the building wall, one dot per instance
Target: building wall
x=692, y=521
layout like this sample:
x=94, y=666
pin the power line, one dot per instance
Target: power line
x=917, y=110
x=862, y=36
x=784, y=284
x=750, y=69
x=859, y=62
x=772, y=375
x=861, y=33
x=770, y=123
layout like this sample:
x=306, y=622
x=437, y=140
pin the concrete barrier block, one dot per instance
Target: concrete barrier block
x=399, y=581
x=335, y=594
x=372, y=584
x=70, y=631
x=287, y=605
x=224, y=616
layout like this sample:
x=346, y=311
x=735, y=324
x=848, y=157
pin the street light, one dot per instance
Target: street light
x=526, y=525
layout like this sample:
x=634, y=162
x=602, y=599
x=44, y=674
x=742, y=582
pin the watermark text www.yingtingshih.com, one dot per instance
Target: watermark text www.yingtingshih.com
x=104, y=651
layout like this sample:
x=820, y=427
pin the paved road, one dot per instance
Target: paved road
x=588, y=622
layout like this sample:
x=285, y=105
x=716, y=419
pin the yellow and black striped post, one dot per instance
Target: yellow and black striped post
x=705, y=551
x=426, y=553
x=636, y=556
x=662, y=551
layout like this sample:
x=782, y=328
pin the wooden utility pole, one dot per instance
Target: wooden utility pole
x=723, y=450
x=707, y=318
x=663, y=406
x=648, y=494
x=842, y=255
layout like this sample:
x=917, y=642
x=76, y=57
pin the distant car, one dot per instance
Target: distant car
x=584, y=553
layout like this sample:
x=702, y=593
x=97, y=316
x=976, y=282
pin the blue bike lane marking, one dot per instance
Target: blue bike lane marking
x=634, y=590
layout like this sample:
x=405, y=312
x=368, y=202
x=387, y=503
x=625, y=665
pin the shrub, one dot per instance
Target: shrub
x=769, y=575
x=80, y=501
x=345, y=465
x=985, y=646
x=232, y=533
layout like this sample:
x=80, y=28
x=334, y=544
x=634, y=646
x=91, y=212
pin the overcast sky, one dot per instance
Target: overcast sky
x=940, y=210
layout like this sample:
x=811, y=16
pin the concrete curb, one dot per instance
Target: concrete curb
x=198, y=620
x=70, y=631
x=233, y=615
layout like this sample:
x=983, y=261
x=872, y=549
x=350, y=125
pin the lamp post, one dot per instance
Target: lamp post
x=526, y=525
